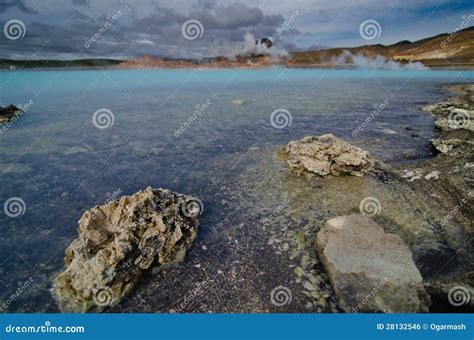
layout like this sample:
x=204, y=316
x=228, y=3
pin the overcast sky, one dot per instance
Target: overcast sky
x=63, y=28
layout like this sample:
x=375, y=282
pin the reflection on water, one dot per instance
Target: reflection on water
x=60, y=163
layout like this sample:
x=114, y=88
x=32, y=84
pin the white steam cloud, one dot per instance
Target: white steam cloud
x=250, y=47
x=377, y=63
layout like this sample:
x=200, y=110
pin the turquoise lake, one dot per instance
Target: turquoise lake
x=198, y=132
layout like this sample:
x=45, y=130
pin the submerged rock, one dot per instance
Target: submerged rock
x=118, y=241
x=370, y=270
x=8, y=113
x=238, y=102
x=327, y=155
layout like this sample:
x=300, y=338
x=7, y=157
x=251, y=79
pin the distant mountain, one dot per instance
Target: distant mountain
x=451, y=50
x=18, y=64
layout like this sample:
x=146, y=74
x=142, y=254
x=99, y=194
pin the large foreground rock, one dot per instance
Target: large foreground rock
x=326, y=155
x=370, y=270
x=118, y=241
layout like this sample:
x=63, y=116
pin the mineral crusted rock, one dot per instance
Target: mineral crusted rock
x=8, y=113
x=454, y=147
x=432, y=175
x=456, y=119
x=454, y=114
x=327, y=155
x=118, y=241
x=412, y=175
x=370, y=270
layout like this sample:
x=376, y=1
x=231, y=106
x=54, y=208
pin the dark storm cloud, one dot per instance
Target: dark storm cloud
x=64, y=28
x=152, y=28
x=80, y=2
x=18, y=4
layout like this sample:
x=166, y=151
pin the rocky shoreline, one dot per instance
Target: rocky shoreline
x=453, y=190
x=416, y=220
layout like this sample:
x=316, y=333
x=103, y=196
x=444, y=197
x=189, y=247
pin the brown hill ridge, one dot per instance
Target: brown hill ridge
x=249, y=61
x=454, y=50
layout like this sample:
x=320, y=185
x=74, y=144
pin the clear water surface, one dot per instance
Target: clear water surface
x=60, y=164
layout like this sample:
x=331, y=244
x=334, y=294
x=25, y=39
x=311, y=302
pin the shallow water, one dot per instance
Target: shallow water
x=60, y=164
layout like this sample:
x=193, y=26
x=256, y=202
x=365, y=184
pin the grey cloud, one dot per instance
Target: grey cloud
x=18, y=4
x=61, y=27
x=144, y=28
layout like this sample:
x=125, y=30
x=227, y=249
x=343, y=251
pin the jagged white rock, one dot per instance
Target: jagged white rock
x=325, y=155
x=118, y=241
